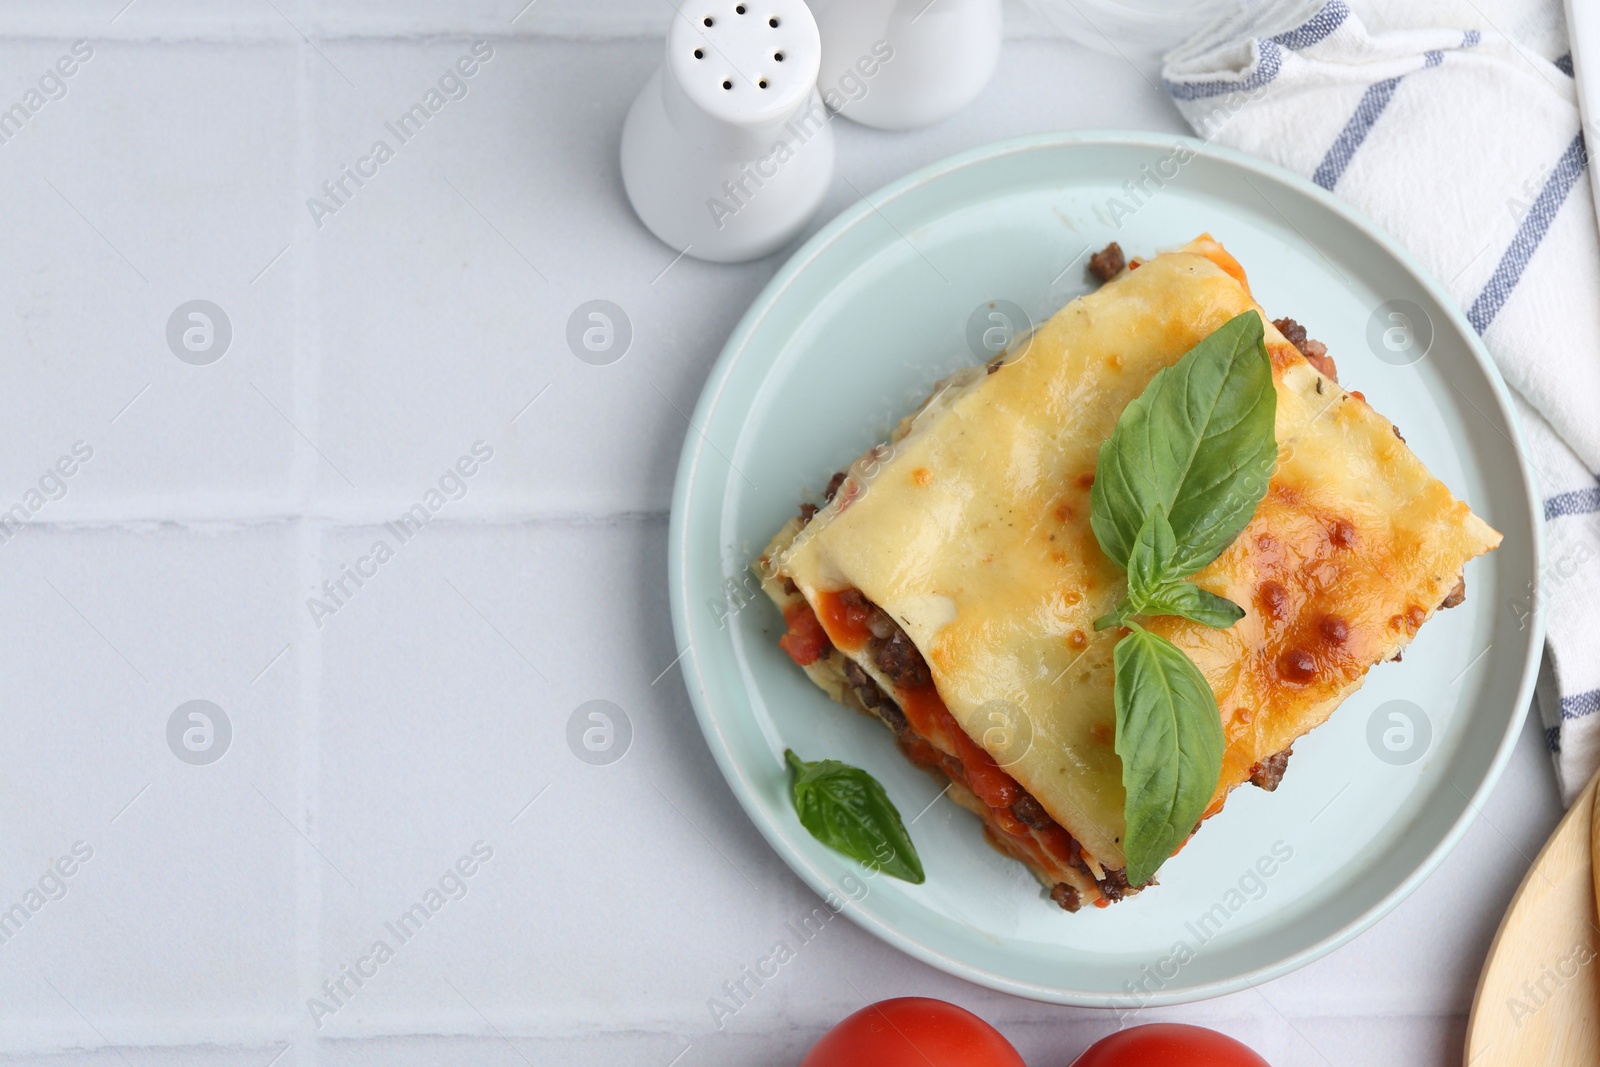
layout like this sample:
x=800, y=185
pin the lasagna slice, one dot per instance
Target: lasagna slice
x=950, y=582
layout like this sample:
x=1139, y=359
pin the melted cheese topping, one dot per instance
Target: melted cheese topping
x=972, y=530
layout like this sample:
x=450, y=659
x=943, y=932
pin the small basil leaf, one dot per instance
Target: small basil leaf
x=1150, y=561
x=1199, y=442
x=847, y=809
x=1190, y=602
x=1169, y=735
x=1118, y=616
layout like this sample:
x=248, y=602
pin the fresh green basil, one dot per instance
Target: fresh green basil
x=1152, y=560
x=1178, y=479
x=847, y=809
x=1169, y=736
x=1154, y=580
x=1191, y=602
x=1198, y=442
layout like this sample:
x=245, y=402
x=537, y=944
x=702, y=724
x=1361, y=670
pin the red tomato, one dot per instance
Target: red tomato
x=1168, y=1045
x=912, y=1032
x=805, y=642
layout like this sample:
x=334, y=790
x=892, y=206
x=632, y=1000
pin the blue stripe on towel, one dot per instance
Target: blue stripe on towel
x=1564, y=64
x=1529, y=234
x=1552, y=738
x=1373, y=101
x=1308, y=33
x=1266, y=70
x=1577, y=502
x=1578, y=705
x=1316, y=28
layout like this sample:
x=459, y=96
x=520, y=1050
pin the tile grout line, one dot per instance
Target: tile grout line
x=604, y=30
x=306, y=367
x=365, y=516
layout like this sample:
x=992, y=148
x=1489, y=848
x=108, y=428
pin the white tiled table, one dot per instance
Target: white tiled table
x=372, y=751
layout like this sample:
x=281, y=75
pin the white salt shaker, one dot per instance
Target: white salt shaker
x=727, y=152
x=940, y=55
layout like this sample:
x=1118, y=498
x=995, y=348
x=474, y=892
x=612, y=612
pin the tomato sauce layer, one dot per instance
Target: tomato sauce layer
x=946, y=744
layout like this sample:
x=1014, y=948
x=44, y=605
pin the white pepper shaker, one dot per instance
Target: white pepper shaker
x=727, y=152
x=900, y=64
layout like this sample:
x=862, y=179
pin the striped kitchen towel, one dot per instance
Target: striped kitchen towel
x=1461, y=138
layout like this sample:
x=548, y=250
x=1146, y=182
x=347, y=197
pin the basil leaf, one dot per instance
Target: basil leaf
x=1190, y=602
x=1199, y=443
x=1181, y=474
x=1118, y=616
x=847, y=809
x=1150, y=561
x=1169, y=735
x=1154, y=586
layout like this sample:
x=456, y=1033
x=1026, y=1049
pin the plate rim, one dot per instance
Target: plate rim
x=694, y=449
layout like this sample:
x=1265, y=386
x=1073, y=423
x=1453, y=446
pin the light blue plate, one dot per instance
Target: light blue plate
x=854, y=330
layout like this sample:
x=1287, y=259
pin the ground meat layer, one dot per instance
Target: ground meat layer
x=1269, y=772
x=894, y=654
x=1316, y=352
x=1108, y=262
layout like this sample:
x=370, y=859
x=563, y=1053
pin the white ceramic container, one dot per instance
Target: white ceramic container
x=900, y=64
x=728, y=151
